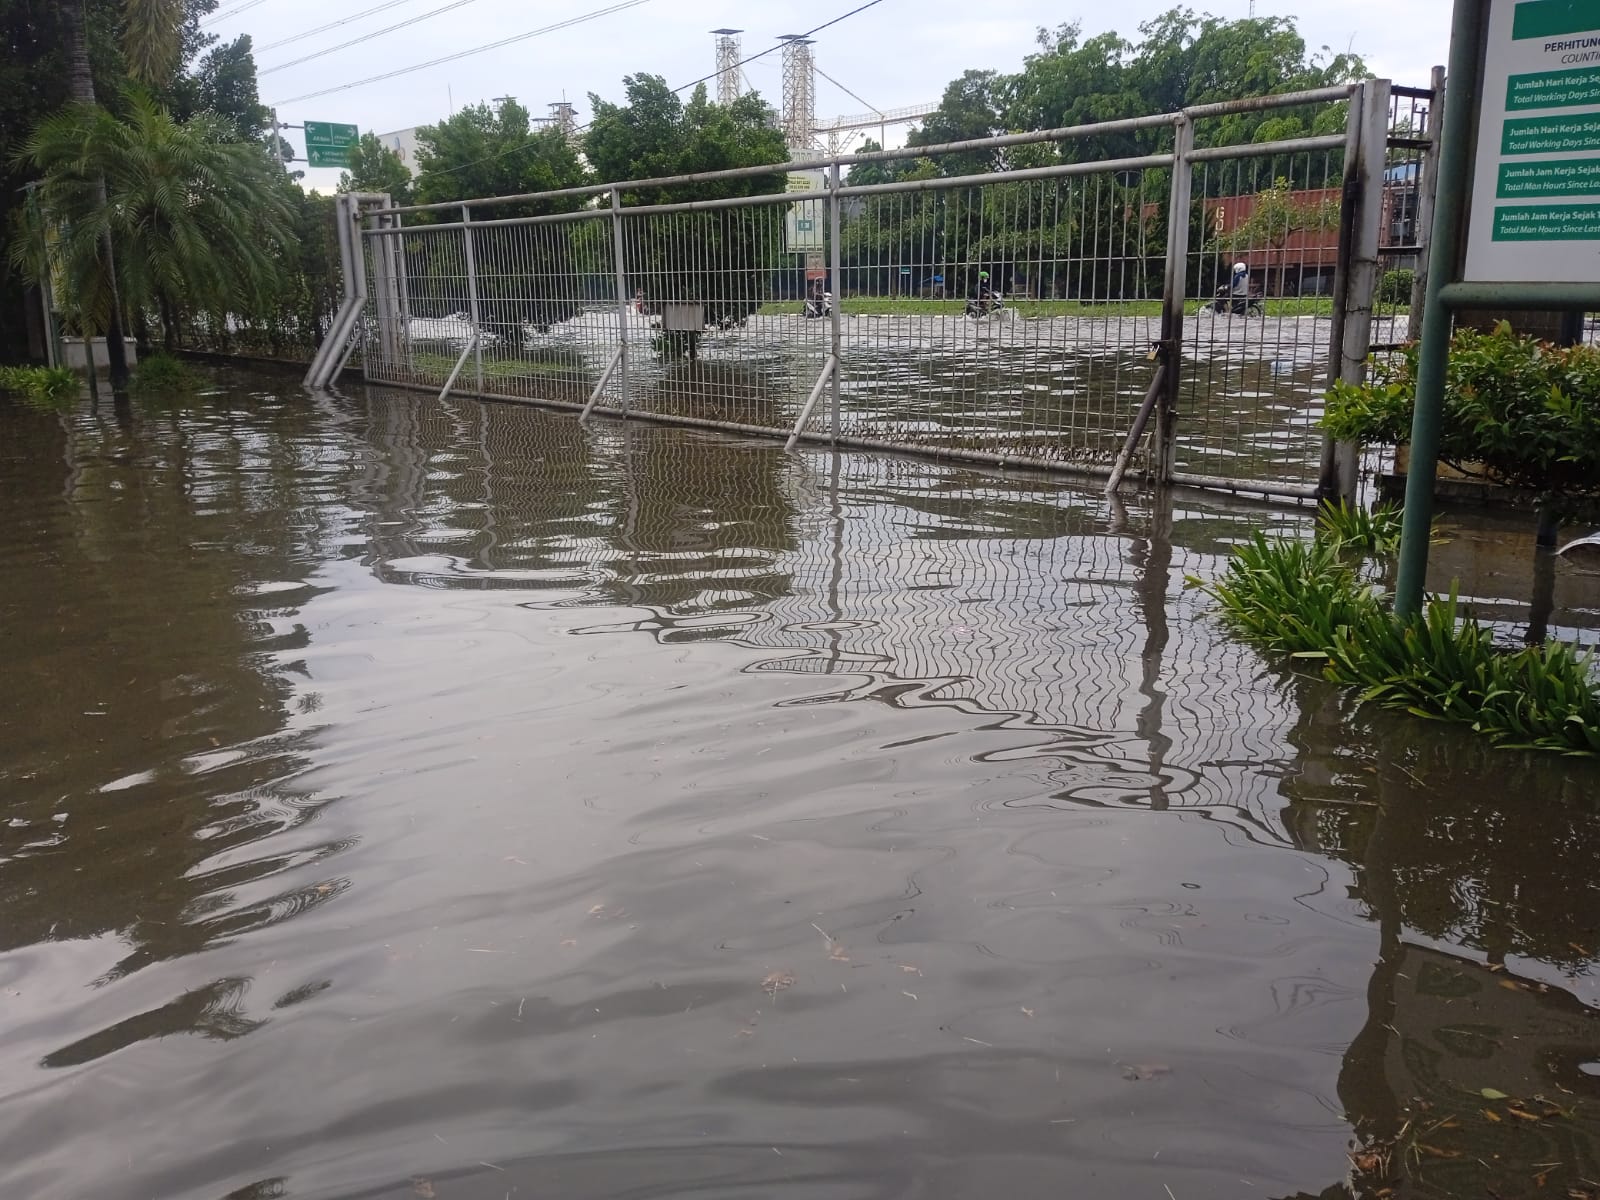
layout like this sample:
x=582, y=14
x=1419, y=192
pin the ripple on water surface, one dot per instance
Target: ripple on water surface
x=418, y=800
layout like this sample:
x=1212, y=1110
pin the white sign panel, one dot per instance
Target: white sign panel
x=404, y=143
x=803, y=227
x=1536, y=184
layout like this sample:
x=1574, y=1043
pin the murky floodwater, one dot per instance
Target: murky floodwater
x=411, y=800
x=1060, y=389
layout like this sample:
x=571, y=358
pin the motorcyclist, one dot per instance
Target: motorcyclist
x=984, y=298
x=819, y=303
x=1239, y=288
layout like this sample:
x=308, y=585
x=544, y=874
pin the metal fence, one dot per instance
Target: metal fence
x=1157, y=295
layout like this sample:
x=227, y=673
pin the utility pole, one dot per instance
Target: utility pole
x=277, y=142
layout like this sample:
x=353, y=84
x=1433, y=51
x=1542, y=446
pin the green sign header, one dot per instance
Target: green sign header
x=1553, y=18
x=328, y=144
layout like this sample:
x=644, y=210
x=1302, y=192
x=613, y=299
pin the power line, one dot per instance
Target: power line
x=434, y=62
x=366, y=12
x=230, y=12
x=762, y=54
x=366, y=37
x=870, y=106
x=780, y=45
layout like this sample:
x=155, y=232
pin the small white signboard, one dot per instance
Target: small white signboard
x=803, y=227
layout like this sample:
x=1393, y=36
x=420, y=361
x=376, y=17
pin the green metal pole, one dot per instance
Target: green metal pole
x=1455, y=168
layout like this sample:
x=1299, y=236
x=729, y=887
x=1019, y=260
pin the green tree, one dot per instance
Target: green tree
x=523, y=277
x=376, y=168
x=482, y=151
x=221, y=80
x=970, y=108
x=198, y=217
x=88, y=50
x=721, y=259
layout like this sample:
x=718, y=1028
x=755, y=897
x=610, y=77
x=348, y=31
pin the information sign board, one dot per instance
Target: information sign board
x=328, y=144
x=1535, y=214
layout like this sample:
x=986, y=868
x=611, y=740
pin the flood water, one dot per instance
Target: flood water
x=414, y=800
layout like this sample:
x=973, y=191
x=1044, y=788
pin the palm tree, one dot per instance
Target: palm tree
x=152, y=42
x=199, y=219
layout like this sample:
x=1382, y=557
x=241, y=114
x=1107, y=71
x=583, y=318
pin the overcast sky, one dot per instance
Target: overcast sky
x=899, y=52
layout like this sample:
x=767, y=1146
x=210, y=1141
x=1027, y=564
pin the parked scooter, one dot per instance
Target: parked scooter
x=819, y=305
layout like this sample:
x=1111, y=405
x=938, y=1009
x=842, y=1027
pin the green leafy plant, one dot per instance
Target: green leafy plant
x=162, y=374
x=1394, y=289
x=1276, y=214
x=1520, y=412
x=1371, y=531
x=41, y=387
x=1305, y=602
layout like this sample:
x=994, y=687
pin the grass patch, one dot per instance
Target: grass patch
x=889, y=306
x=501, y=366
x=1305, y=603
x=40, y=387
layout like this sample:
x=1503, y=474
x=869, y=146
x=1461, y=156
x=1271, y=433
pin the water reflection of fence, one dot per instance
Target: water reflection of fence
x=1071, y=637
x=1008, y=299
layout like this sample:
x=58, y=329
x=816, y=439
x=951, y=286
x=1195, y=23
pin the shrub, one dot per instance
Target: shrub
x=162, y=373
x=1394, y=289
x=1524, y=412
x=1304, y=602
x=41, y=387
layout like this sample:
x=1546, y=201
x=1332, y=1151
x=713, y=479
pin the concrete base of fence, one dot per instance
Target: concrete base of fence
x=73, y=355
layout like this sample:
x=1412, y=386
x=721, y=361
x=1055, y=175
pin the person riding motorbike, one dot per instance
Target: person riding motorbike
x=984, y=299
x=1236, y=296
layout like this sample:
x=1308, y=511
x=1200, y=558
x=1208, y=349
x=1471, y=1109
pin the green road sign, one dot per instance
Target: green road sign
x=328, y=145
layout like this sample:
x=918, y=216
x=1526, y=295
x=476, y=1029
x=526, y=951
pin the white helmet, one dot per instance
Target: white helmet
x=1240, y=269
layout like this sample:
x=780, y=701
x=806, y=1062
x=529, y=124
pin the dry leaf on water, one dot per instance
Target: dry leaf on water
x=423, y=1188
x=777, y=982
x=1142, y=1071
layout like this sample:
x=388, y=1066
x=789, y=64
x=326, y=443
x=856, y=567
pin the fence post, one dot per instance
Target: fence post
x=1173, y=293
x=622, y=293
x=1427, y=190
x=835, y=269
x=472, y=294
x=1351, y=333
x=394, y=332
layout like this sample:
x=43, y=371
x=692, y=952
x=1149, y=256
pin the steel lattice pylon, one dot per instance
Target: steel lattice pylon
x=729, y=51
x=799, y=93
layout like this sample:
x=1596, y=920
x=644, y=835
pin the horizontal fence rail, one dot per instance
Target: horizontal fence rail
x=1143, y=296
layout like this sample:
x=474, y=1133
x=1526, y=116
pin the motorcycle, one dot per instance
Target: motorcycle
x=819, y=306
x=992, y=305
x=1227, y=303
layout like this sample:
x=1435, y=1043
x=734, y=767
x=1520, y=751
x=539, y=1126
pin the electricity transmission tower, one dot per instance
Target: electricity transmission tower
x=565, y=118
x=799, y=92
x=729, y=51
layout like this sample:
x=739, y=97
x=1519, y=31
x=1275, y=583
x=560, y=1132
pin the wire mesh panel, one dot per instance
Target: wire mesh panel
x=716, y=329
x=1012, y=316
x=1000, y=298
x=547, y=295
x=1258, y=328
